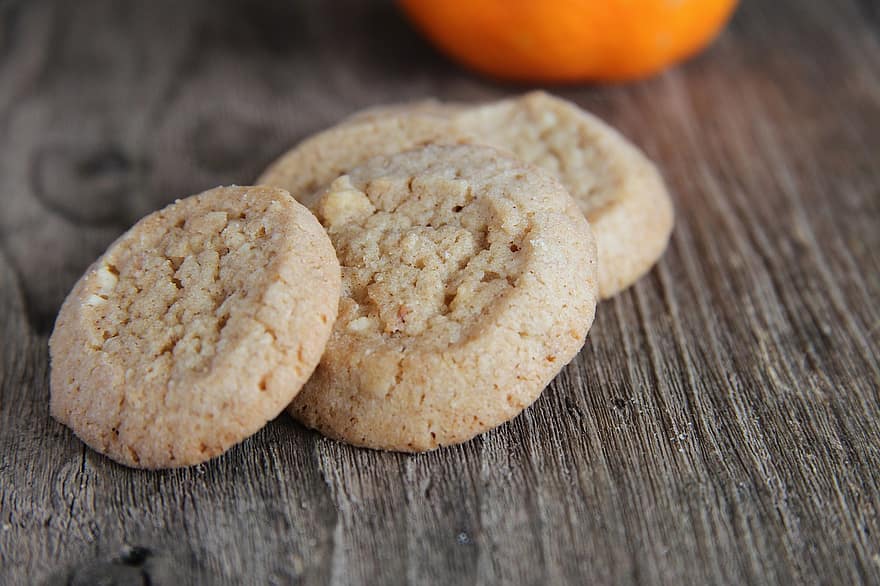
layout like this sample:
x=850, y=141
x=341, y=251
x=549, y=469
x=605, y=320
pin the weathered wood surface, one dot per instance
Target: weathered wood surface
x=722, y=424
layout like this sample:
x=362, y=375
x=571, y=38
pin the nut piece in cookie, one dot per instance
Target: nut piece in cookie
x=195, y=328
x=467, y=285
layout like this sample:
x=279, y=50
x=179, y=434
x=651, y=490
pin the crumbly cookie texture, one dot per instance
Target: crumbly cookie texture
x=617, y=188
x=195, y=328
x=467, y=285
x=321, y=158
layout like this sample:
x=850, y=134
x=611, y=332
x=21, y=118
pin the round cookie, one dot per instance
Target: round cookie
x=468, y=284
x=618, y=189
x=195, y=328
x=321, y=158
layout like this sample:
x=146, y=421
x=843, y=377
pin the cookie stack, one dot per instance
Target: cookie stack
x=434, y=269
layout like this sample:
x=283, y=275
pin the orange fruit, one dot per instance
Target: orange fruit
x=569, y=40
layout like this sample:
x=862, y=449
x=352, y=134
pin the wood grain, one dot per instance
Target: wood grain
x=722, y=424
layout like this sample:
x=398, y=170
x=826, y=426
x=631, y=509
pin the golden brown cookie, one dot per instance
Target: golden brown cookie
x=468, y=284
x=195, y=328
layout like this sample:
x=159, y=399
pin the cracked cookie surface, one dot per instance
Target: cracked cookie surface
x=618, y=189
x=195, y=328
x=467, y=285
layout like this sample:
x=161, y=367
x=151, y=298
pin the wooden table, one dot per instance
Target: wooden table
x=720, y=426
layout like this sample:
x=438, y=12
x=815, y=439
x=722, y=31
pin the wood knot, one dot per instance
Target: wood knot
x=84, y=186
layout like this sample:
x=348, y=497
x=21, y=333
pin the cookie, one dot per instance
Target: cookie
x=618, y=189
x=195, y=328
x=467, y=285
x=321, y=158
